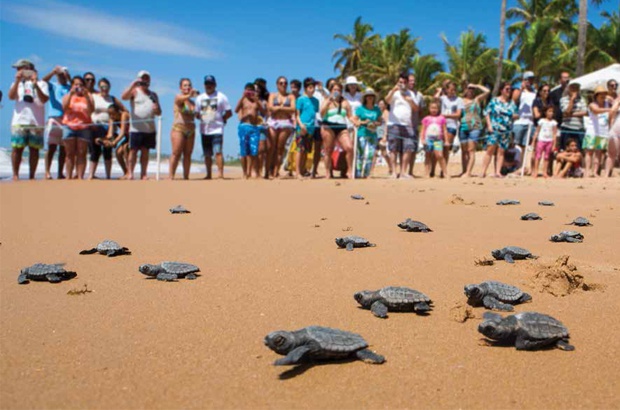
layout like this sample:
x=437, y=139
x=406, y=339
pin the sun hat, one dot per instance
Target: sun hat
x=22, y=62
x=600, y=89
x=352, y=80
x=528, y=74
x=369, y=91
x=142, y=73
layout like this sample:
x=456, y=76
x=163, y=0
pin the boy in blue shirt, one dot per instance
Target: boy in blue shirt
x=307, y=106
x=53, y=129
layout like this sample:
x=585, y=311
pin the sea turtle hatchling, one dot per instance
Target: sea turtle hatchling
x=527, y=330
x=531, y=217
x=508, y=202
x=580, y=221
x=357, y=197
x=179, y=209
x=510, y=253
x=319, y=343
x=107, y=247
x=393, y=299
x=350, y=242
x=53, y=273
x=495, y=295
x=567, y=236
x=170, y=271
x=546, y=203
x=414, y=226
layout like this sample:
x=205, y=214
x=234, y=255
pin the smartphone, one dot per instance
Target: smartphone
x=27, y=74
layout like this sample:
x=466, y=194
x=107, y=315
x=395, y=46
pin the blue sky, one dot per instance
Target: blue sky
x=234, y=41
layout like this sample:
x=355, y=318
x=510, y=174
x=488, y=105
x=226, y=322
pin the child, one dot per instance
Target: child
x=248, y=108
x=569, y=161
x=307, y=107
x=545, y=140
x=433, y=135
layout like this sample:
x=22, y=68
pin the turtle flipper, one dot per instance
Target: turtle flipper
x=421, y=307
x=167, y=276
x=521, y=343
x=572, y=240
x=526, y=297
x=293, y=357
x=22, y=279
x=368, y=356
x=379, y=309
x=490, y=302
x=88, y=251
x=372, y=245
x=564, y=345
x=53, y=278
x=350, y=246
x=508, y=258
x=191, y=276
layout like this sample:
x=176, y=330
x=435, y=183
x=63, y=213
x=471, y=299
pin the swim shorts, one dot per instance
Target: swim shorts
x=26, y=136
x=212, y=144
x=249, y=137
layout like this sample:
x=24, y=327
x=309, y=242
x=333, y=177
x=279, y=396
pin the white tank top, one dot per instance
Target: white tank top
x=100, y=114
x=142, y=113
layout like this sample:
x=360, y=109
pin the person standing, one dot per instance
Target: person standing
x=336, y=115
x=597, y=131
x=30, y=95
x=523, y=127
x=544, y=141
x=78, y=107
x=573, y=109
x=471, y=125
x=368, y=118
x=101, y=119
x=183, y=130
x=281, y=122
x=452, y=110
x=434, y=130
x=53, y=130
x=557, y=93
x=213, y=110
x=249, y=109
x=142, y=132
x=402, y=143
x=307, y=107
x=418, y=99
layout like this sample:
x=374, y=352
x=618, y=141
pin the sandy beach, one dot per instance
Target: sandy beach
x=268, y=262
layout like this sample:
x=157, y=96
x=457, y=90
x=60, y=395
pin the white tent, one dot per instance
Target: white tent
x=600, y=77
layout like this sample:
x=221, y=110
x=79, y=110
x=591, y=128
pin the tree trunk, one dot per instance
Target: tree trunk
x=581, y=37
x=502, y=46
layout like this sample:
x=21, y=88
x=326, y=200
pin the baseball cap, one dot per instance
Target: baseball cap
x=22, y=62
x=210, y=79
x=528, y=74
x=142, y=73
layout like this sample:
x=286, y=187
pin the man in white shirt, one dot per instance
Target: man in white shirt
x=213, y=110
x=28, y=122
x=401, y=137
x=524, y=99
x=418, y=99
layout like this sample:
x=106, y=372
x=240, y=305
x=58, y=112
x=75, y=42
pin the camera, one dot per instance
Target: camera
x=27, y=74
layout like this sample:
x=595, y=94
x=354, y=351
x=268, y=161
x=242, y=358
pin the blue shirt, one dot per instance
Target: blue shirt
x=363, y=114
x=307, y=107
x=57, y=92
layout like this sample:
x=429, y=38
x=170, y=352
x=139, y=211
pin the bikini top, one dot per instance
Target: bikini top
x=287, y=101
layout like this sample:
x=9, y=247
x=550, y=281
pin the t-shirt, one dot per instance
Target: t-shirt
x=555, y=96
x=541, y=105
x=574, y=123
x=29, y=110
x=307, y=107
x=433, y=126
x=211, y=109
x=56, y=92
x=400, y=110
x=546, y=129
x=471, y=120
x=364, y=114
x=450, y=105
x=597, y=125
x=418, y=98
x=142, y=112
x=100, y=114
x=355, y=101
x=501, y=113
x=526, y=103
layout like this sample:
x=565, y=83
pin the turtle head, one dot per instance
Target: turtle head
x=556, y=238
x=473, y=292
x=364, y=298
x=497, y=253
x=280, y=341
x=341, y=242
x=149, y=270
x=493, y=328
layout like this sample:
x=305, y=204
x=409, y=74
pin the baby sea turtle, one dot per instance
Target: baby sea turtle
x=393, y=299
x=510, y=253
x=580, y=221
x=527, y=330
x=319, y=343
x=179, y=209
x=107, y=247
x=531, y=217
x=495, y=295
x=414, y=226
x=350, y=242
x=567, y=236
x=546, y=203
x=53, y=273
x=357, y=197
x=170, y=271
x=508, y=202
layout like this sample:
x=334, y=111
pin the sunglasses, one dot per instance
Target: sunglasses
x=613, y=85
x=282, y=83
x=89, y=79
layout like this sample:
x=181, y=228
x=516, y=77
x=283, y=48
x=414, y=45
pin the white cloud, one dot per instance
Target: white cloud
x=92, y=25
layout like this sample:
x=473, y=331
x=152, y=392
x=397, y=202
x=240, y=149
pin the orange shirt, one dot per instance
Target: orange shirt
x=77, y=116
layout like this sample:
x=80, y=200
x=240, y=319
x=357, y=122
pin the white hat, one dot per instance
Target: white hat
x=528, y=74
x=351, y=80
x=142, y=73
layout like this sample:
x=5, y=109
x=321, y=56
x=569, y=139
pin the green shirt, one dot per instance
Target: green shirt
x=364, y=114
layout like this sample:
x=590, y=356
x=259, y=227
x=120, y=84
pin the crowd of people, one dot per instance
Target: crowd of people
x=301, y=123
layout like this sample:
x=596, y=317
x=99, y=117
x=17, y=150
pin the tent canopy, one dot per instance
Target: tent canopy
x=600, y=77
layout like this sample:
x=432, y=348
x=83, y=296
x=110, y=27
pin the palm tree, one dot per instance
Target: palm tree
x=502, y=46
x=348, y=58
x=609, y=35
x=426, y=68
x=582, y=30
x=471, y=60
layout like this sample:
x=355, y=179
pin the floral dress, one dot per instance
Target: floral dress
x=501, y=114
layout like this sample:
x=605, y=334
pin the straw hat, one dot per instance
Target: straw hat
x=600, y=89
x=369, y=91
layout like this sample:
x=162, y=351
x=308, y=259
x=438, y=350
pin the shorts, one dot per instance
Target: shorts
x=263, y=132
x=54, y=131
x=139, y=140
x=122, y=142
x=401, y=139
x=451, y=130
x=500, y=139
x=212, y=144
x=26, y=135
x=591, y=142
x=543, y=149
x=85, y=134
x=96, y=150
x=283, y=124
x=520, y=133
x=336, y=127
x=568, y=133
x=249, y=137
x=469, y=135
x=304, y=142
x=433, y=145
x=187, y=131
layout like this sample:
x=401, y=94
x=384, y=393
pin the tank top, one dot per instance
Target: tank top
x=100, y=114
x=142, y=112
x=76, y=116
x=335, y=116
x=183, y=116
x=597, y=124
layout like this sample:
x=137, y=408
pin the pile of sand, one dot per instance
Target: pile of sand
x=461, y=311
x=456, y=199
x=560, y=279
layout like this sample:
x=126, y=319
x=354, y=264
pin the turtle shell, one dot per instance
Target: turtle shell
x=530, y=216
x=546, y=203
x=44, y=269
x=108, y=245
x=398, y=296
x=581, y=221
x=335, y=341
x=572, y=234
x=179, y=268
x=501, y=291
x=517, y=251
x=541, y=326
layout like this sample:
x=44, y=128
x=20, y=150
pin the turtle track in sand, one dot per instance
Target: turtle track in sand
x=561, y=279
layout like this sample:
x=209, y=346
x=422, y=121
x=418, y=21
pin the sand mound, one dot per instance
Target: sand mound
x=560, y=279
x=458, y=200
x=461, y=311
